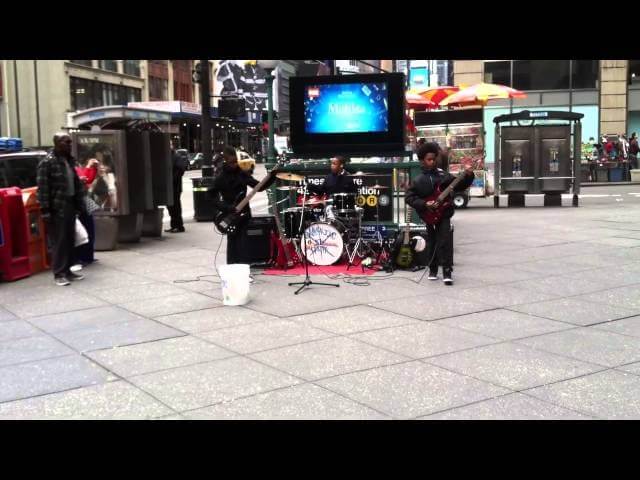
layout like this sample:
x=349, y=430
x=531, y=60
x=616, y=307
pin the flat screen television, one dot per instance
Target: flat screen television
x=347, y=114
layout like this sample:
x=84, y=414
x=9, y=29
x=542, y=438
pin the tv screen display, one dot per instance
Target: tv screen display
x=346, y=107
x=347, y=114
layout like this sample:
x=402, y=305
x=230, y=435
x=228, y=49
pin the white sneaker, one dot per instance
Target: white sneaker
x=76, y=268
x=433, y=274
x=62, y=281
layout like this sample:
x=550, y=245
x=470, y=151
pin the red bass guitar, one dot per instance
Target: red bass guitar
x=439, y=201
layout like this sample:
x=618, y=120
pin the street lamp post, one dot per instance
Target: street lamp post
x=269, y=66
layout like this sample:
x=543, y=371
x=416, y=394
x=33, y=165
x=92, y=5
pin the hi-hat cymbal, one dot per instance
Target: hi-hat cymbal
x=292, y=187
x=291, y=177
x=376, y=186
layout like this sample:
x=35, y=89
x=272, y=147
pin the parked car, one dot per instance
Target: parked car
x=19, y=169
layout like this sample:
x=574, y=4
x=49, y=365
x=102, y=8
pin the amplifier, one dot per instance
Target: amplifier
x=258, y=240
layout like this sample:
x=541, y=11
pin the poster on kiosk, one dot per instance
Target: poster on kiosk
x=109, y=189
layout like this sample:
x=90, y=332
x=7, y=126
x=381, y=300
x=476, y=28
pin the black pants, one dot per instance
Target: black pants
x=237, y=251
x=440, y=240
x=84, y=253
x=175, y=211
x=62, y=232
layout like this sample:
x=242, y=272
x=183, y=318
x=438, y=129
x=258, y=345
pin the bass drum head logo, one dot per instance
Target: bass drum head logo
x=383, y=200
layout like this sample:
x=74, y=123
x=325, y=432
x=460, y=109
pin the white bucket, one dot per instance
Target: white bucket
x=234, y=279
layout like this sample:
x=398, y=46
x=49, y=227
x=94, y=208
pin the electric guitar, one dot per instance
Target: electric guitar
x=404, y=257
x=439, y=201
x=228, y=222
x=285, y=252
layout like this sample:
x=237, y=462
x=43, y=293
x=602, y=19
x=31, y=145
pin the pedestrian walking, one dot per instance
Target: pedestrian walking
x=175, y=211
x=84, y=254
x=60, y=194
x=633, y=150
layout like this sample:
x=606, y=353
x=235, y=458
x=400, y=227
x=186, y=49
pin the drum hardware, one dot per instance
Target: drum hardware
x=307, y=280
x=291, y=187
x=290, y=177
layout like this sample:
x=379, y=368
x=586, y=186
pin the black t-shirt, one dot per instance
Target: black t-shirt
x=341, y=183
x=229, y=188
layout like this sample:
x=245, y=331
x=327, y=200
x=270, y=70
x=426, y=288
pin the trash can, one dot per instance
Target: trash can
x=616, y=172
x=234, y=279
x=203, y=209
x=14, y=247
x=36, y=234
x=602, y=173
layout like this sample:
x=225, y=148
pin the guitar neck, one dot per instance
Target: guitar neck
x=407, y=229
x=451, y=186
x=245, y=201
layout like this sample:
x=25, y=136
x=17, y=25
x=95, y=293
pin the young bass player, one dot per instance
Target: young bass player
x=420, y=196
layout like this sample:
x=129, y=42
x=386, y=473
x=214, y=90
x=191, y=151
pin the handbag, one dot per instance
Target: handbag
x=91, y=205
x=81, y=236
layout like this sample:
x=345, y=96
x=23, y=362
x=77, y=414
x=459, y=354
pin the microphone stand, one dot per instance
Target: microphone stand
x=307, y=280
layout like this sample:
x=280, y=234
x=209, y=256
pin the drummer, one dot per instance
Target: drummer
x=338, y=181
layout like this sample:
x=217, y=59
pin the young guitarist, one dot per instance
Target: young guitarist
x=432, y=179
x=228, y=189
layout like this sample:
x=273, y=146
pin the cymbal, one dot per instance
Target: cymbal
x=291, y=177
x=360, y=174
x=378, y=186
x=292, y=187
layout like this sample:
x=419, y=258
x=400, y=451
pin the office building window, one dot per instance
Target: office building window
x=158, y=89
x=634, y=72
x=111, y=65
x=584, y=73
x=86, y=63
x=90, y=94
x=498, y=72
x=132, y=67
x=541, y=74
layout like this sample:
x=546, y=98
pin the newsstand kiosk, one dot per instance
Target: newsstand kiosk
x=134, y=173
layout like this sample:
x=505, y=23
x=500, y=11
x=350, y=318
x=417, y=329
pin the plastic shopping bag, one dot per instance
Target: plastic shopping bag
x=82, y=236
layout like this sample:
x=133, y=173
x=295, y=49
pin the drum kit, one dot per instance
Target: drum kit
x=329, y=229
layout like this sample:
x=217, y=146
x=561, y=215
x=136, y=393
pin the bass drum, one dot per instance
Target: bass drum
x=324, y=244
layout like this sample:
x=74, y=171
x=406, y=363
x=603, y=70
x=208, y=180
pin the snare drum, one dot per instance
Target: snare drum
x=296, y=220
x=344, y=201
x=323, y=242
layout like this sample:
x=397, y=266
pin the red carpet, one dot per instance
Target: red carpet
x=325, y=270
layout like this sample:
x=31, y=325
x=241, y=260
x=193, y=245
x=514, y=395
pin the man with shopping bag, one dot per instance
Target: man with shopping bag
x=60, y=194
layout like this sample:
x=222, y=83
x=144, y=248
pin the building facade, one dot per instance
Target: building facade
x=39, y=94
x=606, y=92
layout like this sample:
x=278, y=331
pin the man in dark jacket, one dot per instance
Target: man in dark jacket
x=60, y=194
x=175, y=211
x=440, y=248
x=227, y=190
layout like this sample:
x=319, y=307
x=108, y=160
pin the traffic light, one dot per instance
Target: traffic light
x=196, y=73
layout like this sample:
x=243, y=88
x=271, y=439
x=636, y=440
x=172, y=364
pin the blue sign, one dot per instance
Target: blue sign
x=419, y=77
x=346, y=108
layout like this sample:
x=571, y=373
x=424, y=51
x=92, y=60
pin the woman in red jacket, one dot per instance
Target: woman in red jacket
x=84, y=253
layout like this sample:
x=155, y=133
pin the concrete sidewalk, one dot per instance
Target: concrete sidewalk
x=543, y=323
